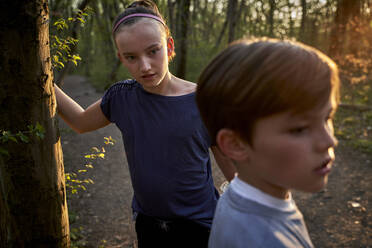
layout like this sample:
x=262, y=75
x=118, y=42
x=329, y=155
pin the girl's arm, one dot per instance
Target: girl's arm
x=76, y=117
x=224, y=163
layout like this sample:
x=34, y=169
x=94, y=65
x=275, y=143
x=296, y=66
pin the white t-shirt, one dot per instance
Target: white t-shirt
x=249, y=192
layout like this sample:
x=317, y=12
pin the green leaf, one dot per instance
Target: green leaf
x=5, y=136
x=61, y=64
x=39, y=131
x=12, y=138
x=95, y=149
x=89, y=166
x=4, y=152
x=81, y=19
x=23, y=137
x=76, y=57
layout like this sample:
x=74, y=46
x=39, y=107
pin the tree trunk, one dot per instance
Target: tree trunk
x=219, y=39
x=271, y=17
x=291, y=21
x=303, y=21
x=232, y=16
x=33, y=209
x=183, y=12
x=171, y=22
x=345, y=8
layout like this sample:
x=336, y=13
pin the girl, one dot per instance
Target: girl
x=165, y=140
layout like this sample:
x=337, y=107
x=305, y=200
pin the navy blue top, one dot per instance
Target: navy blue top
x=166, y=145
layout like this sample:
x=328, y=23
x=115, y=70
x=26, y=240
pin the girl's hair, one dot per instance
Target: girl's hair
x=140, y=7
x=253, y=79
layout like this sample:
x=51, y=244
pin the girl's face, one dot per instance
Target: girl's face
x=142, y=48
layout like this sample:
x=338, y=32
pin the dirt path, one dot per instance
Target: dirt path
x=103, y=210
x=340, y=216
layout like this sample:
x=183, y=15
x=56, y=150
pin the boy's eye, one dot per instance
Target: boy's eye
x=298, y=130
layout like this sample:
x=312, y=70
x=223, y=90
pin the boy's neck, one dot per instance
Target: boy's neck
x=266, y=187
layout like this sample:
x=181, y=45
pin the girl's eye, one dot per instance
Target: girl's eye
x=129, y=58
x=154, y=51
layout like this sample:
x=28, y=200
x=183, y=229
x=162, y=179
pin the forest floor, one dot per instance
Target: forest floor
x=100, y=216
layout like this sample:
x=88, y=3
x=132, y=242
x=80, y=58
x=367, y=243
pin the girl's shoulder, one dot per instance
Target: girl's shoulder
x=185, y=87
x=124, y=85
x=120, y=88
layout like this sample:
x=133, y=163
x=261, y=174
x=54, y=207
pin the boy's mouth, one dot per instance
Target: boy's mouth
x=325, y=168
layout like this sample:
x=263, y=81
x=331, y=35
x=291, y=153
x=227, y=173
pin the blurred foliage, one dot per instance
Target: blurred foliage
x=61, y=41
x=353, y=127
x=74, y=182
x=312, y=22
x=78, y=181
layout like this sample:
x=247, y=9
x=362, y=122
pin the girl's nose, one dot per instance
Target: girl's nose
x=145, y=65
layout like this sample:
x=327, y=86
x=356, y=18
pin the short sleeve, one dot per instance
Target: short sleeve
x=112, y=98
x=107, y=102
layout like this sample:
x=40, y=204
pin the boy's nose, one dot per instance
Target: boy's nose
x=327, y=139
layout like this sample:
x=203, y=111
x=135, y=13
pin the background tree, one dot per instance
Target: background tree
x=345, y=10
x=33, y=210
x=340, y=28
x=182, y=24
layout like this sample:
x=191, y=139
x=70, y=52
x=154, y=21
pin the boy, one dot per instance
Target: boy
x=269, y=105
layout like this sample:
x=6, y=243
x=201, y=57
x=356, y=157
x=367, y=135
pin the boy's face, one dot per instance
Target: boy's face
x=292, y=151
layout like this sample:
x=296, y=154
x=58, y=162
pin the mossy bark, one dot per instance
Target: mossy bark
x=33, y=209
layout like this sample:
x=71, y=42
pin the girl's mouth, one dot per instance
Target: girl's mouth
x=147, y=76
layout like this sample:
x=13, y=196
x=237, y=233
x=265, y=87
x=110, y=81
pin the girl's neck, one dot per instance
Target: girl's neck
x=173, y=86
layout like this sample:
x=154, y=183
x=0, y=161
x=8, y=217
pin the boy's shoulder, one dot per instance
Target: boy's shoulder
x=241, y=222
x=256, y=231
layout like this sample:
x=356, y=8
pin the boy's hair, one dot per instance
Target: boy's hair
x=140, y=7
x=253, y=79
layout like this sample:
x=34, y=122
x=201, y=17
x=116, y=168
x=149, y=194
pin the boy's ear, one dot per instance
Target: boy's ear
x=170, y=45
x=232, y=145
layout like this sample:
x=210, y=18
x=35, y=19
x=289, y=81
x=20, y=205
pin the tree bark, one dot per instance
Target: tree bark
x=271, y=17
x=232, y=16
x=33, y=209
x=171, y=22
x=183, y=13
x=303, y=20
x=345, y=9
